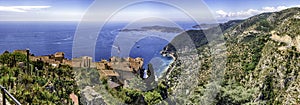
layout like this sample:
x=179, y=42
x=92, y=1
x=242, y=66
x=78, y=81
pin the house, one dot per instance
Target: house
x=136, y=64
x=67, y=62
x=45, y=58
x=21, y=51
x=54, y=59
x=103, y=65
x=85, y=62
x=109, y=73
x=112, y=78
x=120, y=69
x=59, y=56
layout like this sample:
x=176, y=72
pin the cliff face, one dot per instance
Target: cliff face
x=262, y=63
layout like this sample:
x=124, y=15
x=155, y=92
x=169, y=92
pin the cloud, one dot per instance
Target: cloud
x=21, y=8
x=221, y=14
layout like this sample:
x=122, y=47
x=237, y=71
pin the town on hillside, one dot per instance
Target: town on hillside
x=117, y=71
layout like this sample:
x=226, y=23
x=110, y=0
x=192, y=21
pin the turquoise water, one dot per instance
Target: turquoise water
x=161, y=64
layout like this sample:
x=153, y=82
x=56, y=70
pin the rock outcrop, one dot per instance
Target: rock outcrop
x=90, y=97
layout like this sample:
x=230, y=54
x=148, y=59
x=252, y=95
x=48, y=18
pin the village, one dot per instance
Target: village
x=117, y=71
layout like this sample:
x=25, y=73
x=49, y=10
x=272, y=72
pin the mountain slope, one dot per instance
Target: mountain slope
x=198, y=37
x=262, y=65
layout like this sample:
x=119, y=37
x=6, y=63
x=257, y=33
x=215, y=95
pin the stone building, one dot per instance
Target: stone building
x=20, y=51
x=85, y=62
x=59, y=56
x=118, y=70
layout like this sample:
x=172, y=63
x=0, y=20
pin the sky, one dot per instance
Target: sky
x=74, y=10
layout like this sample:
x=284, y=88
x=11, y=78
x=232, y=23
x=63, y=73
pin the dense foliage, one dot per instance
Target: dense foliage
x=38, y=83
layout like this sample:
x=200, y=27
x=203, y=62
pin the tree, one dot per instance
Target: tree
x=5, y=58
x=12, y=58
x=152, y=97
x=36, y=88
x=235, y=94
x=19, y=57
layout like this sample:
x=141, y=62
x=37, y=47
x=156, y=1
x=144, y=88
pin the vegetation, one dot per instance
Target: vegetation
x=259, y=69
x=136, y=96
x=152, y=97
x=41, y=85
x=235, y=94
x=11, y=59
x=264, y=25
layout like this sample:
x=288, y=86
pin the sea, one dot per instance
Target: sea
x=44, y=38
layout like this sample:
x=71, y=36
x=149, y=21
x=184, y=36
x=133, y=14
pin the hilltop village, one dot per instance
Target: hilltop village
x=117, y=70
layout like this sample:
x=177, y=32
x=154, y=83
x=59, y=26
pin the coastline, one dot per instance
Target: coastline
x=170, y=67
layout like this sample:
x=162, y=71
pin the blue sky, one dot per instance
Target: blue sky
x=237, y=5
x=73, y=10
x=42, y=10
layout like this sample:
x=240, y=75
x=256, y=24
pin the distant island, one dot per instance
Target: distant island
x=155, y=28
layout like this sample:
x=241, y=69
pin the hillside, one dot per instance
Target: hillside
x=198, y=36
x=262, y=63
